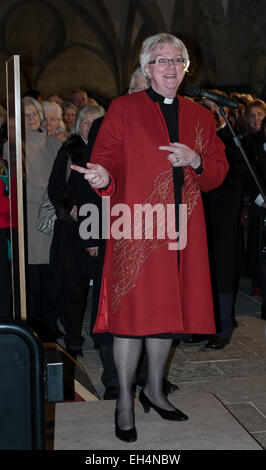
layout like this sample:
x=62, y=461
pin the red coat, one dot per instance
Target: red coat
x=4, y=200
x=143, y=292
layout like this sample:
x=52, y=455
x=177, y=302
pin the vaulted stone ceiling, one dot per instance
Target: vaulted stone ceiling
x=95, y=43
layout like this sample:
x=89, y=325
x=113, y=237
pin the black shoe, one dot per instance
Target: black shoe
x=217, y=342
x=111, y=393
x=194, y=339
x=75, y=353
x=170, y=415
x=168, y=387
x=126, y=435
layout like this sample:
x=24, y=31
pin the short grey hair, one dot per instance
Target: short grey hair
x=94, y=112
x=162, y=38
x=137, y=73
x=59, y=111
x=53, y=105
x=29, y=101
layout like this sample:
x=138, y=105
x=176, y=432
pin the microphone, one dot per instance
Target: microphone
x=193, y=91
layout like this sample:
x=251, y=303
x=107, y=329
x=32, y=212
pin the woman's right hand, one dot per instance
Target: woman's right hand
x=96, y=175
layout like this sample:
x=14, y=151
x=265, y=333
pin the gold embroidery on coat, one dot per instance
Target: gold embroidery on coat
x=200, y=142
x=131, y=254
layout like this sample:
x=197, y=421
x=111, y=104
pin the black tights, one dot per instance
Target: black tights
x=127, y=353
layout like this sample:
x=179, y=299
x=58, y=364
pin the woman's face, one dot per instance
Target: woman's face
x=51, y=121
x=165, y=79
x=69, y=117
x=255, y=118
x=32, y=118
x=85, y=125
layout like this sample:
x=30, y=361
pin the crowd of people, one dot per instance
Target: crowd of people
x=76, y=152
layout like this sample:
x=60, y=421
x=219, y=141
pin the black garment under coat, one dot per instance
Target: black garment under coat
x=223, y=206
x=86, y=195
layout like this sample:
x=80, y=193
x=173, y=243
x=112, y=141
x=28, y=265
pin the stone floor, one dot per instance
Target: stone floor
x=224, y=393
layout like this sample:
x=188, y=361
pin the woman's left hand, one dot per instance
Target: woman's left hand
x=62, y=136
x=182, y=155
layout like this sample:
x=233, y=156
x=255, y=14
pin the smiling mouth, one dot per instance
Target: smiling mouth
x=170, y=75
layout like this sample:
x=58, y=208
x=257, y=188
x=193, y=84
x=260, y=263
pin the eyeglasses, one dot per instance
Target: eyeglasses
x=31, y=115
x=164, y=61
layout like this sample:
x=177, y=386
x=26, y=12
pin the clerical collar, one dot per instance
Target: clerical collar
x=157, y=97
x=84, y=140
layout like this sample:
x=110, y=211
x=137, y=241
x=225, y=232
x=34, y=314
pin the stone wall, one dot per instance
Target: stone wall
x=94, y=44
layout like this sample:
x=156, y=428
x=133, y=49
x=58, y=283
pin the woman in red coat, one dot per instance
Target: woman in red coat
x=155, y=150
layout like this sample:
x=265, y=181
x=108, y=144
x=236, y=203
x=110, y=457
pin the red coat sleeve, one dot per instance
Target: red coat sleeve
x=108, y=148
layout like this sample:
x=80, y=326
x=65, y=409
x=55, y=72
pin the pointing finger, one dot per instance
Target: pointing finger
x=79, y=169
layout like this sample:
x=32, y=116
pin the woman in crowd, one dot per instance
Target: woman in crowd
x=73, y=266
x=258, y=208
x=222, y=207
x=69, y=115
x=155, y=148
x=137, y=82
x=53, y=120
x=40, y=153
x=33, y=114
x=255, y=112
x=236, y=115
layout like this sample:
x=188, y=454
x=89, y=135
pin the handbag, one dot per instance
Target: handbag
x=47, y=213
x=46, y=216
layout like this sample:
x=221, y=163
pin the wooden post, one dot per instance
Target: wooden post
x=15, y=159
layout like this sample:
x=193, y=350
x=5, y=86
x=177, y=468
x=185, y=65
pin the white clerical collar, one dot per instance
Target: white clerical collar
x=84, y=140
x=168, y=100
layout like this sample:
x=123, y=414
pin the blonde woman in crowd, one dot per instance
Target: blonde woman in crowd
x=69, y=115
x=53, y=120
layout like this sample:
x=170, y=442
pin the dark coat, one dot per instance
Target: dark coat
x=223, y=206
x=257, y=155
x=85, y=194
x=67, y=250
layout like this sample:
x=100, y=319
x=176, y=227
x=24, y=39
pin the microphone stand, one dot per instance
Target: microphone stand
x=238, y=144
